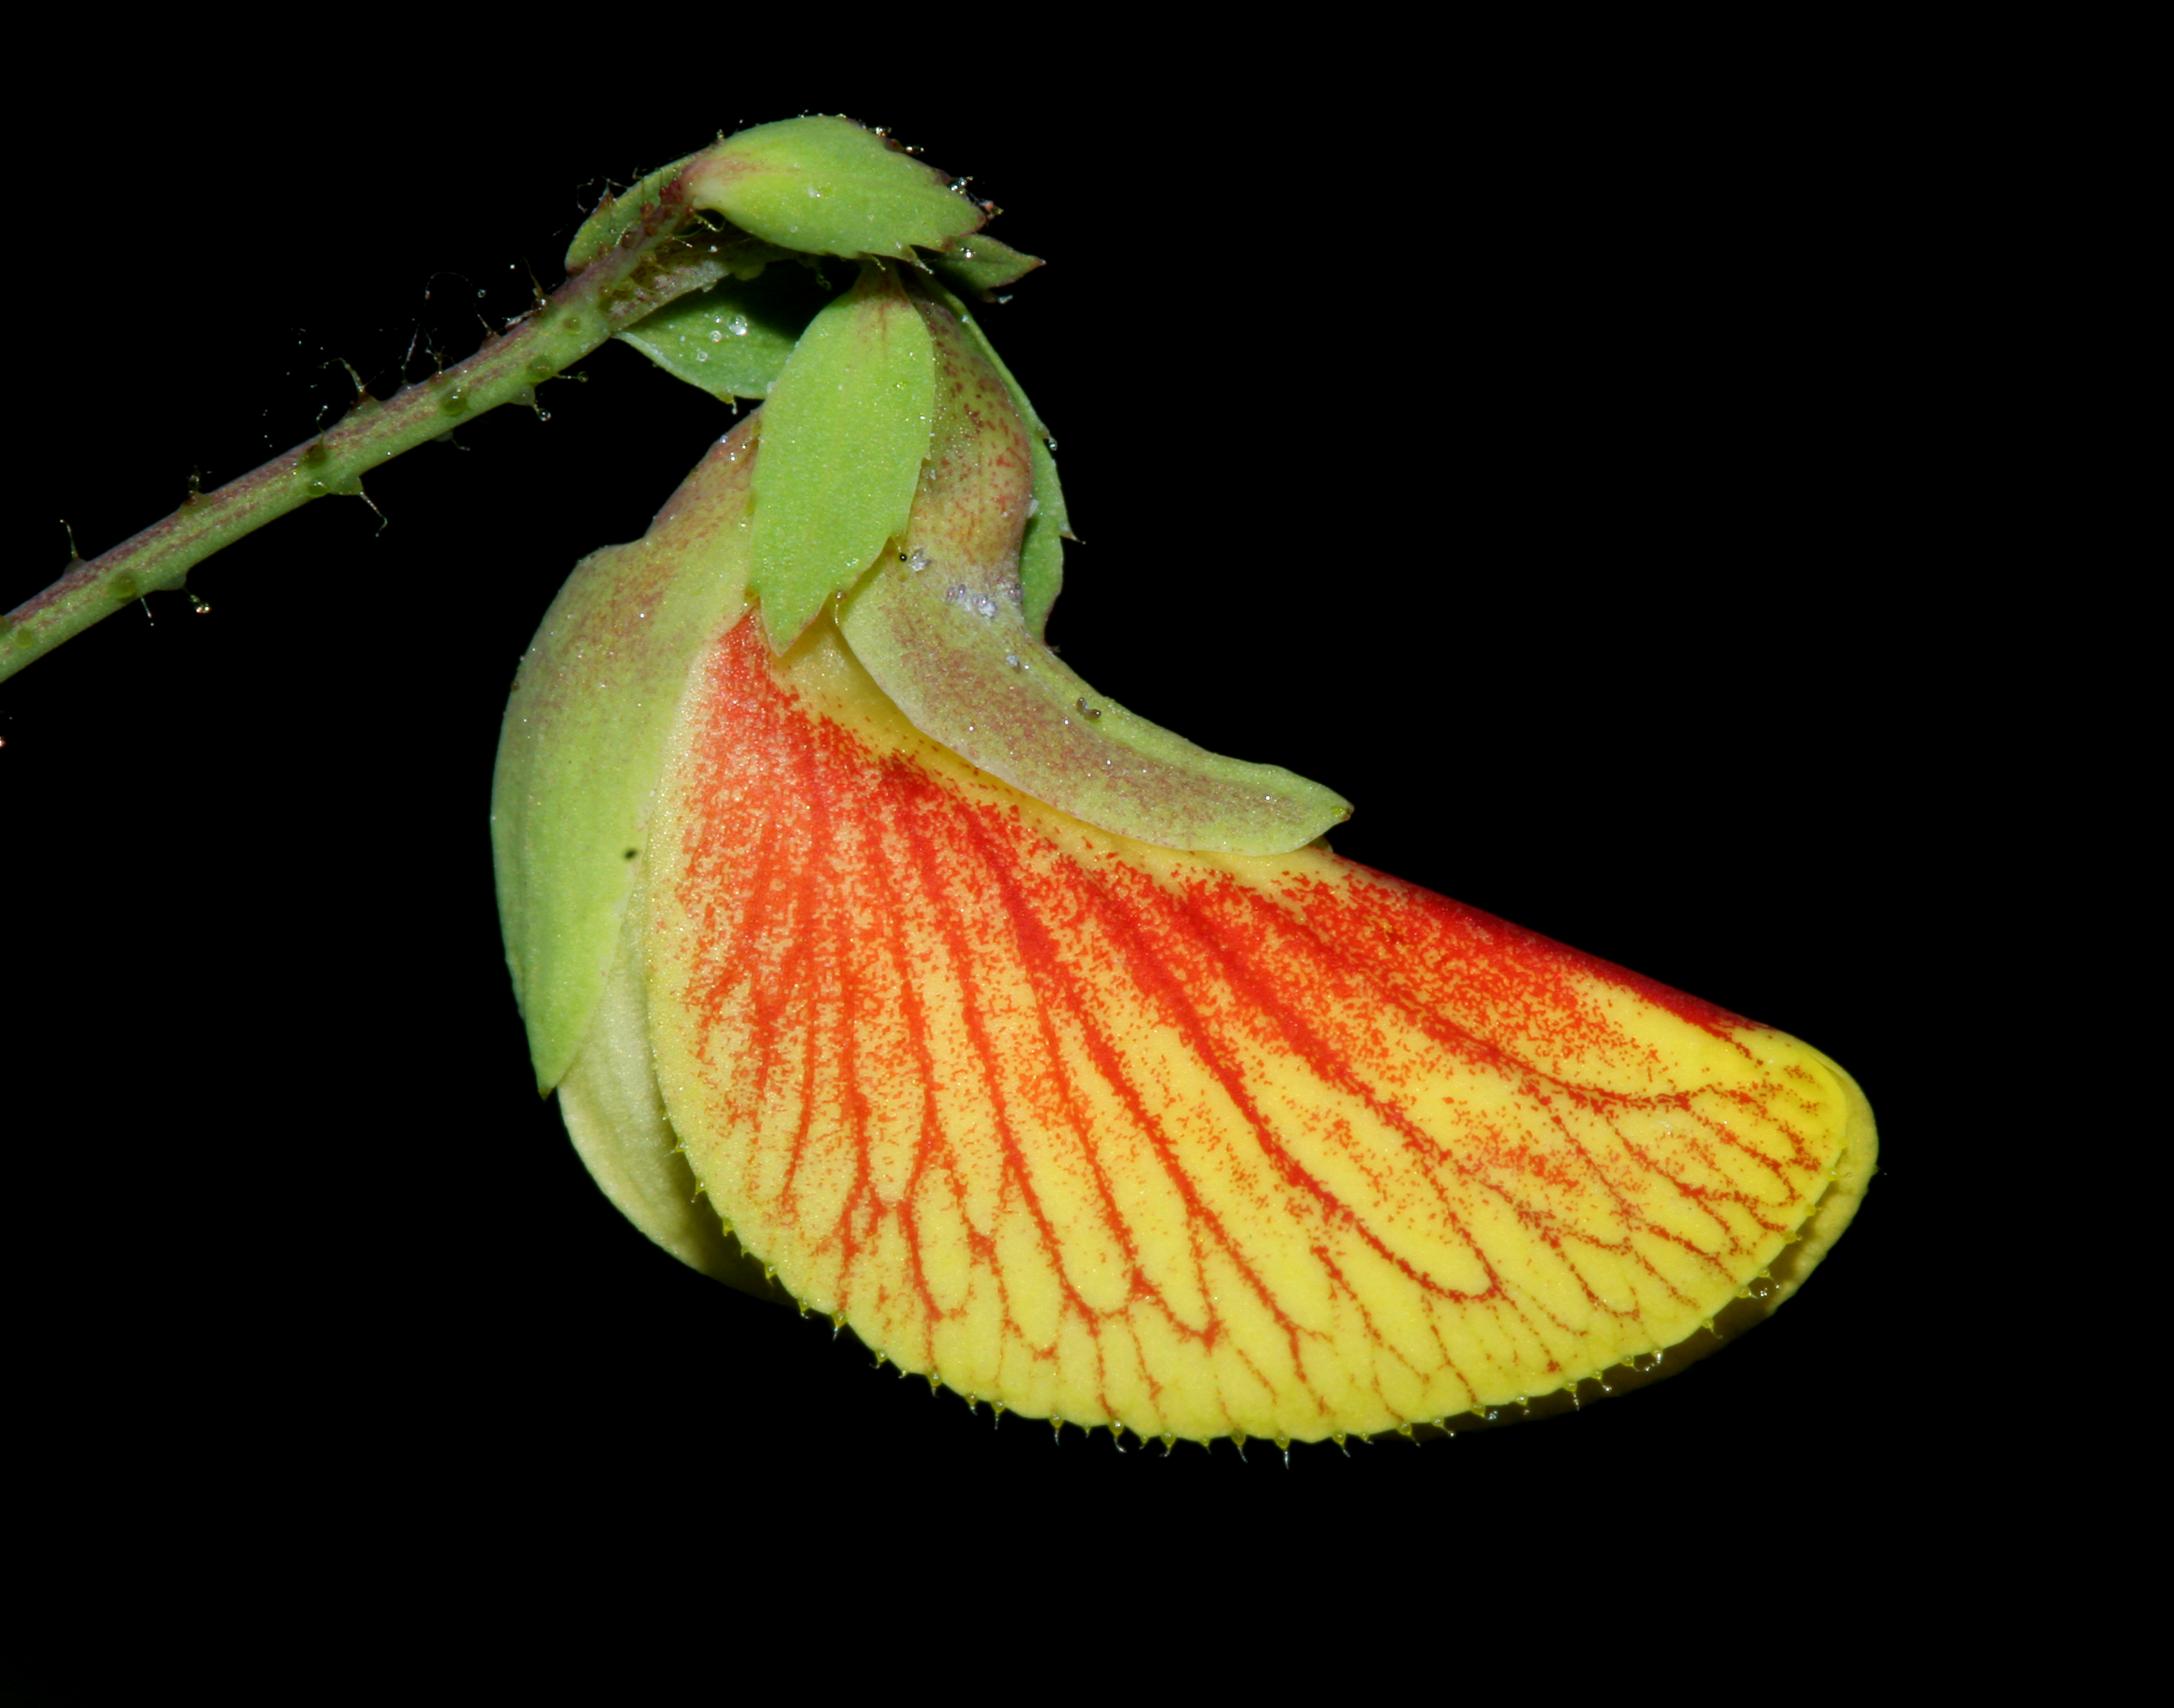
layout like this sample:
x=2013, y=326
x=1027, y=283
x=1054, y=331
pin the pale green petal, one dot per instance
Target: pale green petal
x=1049, y=524
x=583, y=742
x=615, y=1113
x=616, y=214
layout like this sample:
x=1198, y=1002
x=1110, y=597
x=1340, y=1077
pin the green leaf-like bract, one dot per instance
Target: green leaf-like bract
x=842, y=440
x=733, y=339
x=979, y=264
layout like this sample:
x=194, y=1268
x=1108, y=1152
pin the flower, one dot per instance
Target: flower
x=874, y=955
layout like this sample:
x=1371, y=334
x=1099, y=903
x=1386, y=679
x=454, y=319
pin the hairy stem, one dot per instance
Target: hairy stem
x=652, y=265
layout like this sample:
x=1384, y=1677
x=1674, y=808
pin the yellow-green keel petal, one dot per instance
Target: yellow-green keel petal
x=943, y=626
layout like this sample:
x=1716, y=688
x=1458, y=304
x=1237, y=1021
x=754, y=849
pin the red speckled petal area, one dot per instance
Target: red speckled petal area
x=1197, y=1144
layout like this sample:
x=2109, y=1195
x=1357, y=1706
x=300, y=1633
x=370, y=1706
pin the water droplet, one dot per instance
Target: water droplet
x=717, y=338
x=986, y=606
x=737, y=325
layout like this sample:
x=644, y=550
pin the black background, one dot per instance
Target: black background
x=1549, y=476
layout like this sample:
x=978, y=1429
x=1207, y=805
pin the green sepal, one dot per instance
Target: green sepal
x=828, y=186
x=616, y=214
x=733, y=339
x=942, y=627
x=980, y=264
x=842, y=440
x=582, y=746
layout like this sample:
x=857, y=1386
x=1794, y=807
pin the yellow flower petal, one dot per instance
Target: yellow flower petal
x=1197, y=1144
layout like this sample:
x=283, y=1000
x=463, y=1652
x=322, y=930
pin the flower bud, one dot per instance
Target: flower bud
x=827, y=186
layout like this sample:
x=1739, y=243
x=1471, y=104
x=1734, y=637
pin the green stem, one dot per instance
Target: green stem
x=650, y=267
